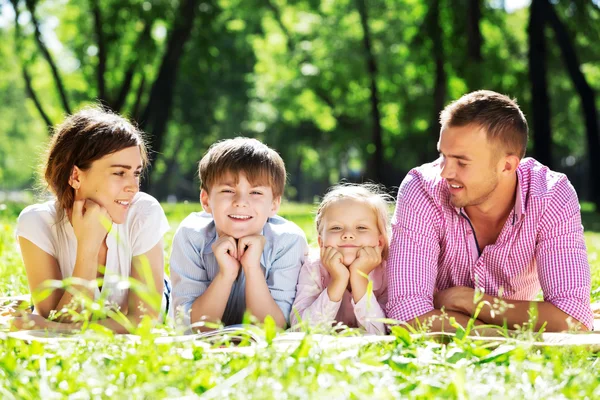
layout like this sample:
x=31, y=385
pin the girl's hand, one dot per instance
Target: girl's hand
x=91, y=222
x=367, y=259
x=332, y=261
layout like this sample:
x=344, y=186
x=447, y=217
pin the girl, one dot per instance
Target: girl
x=352, y=224
x=98, y=218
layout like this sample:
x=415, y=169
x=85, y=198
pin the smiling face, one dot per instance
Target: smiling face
x=239, y=208
x=471, y=165
x=111, y=181
x=348, y=225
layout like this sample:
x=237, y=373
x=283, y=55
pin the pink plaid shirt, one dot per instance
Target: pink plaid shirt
x=433, y=246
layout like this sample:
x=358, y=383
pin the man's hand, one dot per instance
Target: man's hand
x=458, y=298
x=250, y=249
x=226, y=253
x=367, y=259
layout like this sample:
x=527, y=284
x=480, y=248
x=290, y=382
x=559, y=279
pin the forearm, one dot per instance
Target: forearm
x=359, y=284
x=337, y=288
x=438, y=321
x=517, y=313
x=86, y=269
x=259, y=301
x=210, y=306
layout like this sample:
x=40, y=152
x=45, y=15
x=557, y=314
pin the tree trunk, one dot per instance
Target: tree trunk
x=158, y=109
x=375, y=163
x=474, y=43
x=588, y=99
x=540, y=103
x=31, y=4
x=440, y=79
x=26, y=76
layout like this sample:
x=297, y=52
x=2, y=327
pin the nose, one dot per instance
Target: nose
x=133, y=185
x=347, y=235
x=239, y=200
x=447, y=171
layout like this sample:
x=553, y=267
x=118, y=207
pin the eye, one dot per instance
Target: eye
x=362, y=228
x=256, y=192
x=120, y=173
x=460, y=164
x=226, y=191
x=335, y=228
x=137, y=174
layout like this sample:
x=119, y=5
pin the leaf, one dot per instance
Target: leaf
x=270, y=329
x=401, y=335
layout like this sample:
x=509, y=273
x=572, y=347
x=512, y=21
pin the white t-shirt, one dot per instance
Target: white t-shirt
x=144, y=226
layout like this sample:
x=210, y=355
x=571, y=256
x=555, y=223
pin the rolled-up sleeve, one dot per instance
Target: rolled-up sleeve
x=312, y=303
x=282, y=277
x=414, y=252
x=561, y=256
x=188, y=274
x=369, y=312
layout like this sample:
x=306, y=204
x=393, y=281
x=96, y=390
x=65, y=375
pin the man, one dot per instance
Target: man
x=483, y=217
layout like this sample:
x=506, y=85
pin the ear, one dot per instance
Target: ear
x=75, y=178
x=204, y=201
x=511, y=163
x=275, y=206
x=320, y=241
x=381, y=241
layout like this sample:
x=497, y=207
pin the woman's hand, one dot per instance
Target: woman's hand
x=91, y=222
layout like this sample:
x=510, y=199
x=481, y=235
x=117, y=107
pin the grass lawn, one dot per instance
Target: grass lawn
x=106, y=366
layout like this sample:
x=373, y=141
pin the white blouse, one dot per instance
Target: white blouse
x=143, y=228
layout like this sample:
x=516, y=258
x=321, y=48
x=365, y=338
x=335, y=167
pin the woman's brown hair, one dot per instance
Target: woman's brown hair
x=81, y=139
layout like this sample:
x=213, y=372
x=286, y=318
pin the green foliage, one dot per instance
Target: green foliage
x=99, y=364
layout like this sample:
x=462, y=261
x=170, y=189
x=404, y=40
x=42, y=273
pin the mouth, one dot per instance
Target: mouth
x=454, y=187
x=123, y=203
x=348, y=246
x=238, y=217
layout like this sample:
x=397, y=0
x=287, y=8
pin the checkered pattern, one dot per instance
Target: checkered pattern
x=541, y=246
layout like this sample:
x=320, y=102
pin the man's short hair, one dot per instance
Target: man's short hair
x=261, y=164
x=499, y=115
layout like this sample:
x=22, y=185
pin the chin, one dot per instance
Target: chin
x=348, y=260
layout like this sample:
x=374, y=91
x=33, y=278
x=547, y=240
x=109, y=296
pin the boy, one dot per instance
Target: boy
x=238, y=254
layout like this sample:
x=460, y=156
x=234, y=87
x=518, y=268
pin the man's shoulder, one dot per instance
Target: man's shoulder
x=541, y=183
x=424, y=183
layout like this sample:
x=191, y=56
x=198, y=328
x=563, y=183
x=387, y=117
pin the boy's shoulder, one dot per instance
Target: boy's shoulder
x=199, y=222
x=278, y=226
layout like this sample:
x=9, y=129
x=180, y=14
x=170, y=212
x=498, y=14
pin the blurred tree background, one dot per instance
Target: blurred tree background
x=341, y=88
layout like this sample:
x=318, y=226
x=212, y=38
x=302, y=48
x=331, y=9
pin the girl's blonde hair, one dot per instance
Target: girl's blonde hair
x=372, y=194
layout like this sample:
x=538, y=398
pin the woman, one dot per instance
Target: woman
x=98, y=226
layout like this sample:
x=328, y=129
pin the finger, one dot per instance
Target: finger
x=232, y=246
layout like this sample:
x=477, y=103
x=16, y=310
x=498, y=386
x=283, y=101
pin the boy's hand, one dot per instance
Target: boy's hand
x=250, y=249
x=367, y=259
x=226, y=253
x=332, y=261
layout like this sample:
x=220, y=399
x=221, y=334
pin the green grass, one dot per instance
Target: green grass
x=101, y=365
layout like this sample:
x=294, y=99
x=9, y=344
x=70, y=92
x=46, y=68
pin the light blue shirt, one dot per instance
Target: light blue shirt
x=194, y=266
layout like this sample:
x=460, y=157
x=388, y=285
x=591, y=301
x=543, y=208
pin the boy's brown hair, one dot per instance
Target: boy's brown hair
x=499, y=115
x=260, y=164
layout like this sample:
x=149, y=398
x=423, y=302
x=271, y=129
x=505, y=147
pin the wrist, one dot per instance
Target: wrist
x=226, y=277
